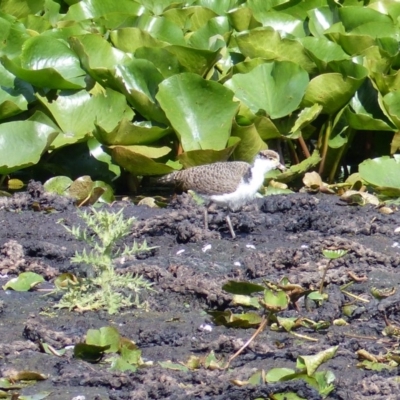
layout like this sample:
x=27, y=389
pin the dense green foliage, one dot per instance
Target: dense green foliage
x=90, y=86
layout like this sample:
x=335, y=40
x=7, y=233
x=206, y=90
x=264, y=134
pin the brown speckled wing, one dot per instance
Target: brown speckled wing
x=218, y=178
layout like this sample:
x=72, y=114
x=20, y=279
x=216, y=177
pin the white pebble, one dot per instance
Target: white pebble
x=206, y=248
x=205, y=327
x=180, y=252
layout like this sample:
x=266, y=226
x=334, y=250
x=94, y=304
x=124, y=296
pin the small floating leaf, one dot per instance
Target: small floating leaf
x=88, y=352
x=37, y=396
x=311, y=363
x=276, y=374
x=173, y=366
x=24, y=282
x=245, y=288
x=27, y=376
x=382, y=293
x=333, y=254
x=105, y=336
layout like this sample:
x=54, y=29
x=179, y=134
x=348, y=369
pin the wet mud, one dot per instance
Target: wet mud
x=277, y=236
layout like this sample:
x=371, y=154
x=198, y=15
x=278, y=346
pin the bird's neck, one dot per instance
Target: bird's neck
x=255, y=177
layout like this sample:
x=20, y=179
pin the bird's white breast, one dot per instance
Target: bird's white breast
x=246, y=191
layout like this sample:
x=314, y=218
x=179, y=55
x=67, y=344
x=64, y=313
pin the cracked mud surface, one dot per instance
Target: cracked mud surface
x=279, y=236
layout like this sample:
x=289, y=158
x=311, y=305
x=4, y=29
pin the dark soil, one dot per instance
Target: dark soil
x=279, y=236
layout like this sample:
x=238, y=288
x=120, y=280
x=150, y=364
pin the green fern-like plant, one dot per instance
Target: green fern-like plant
x=106, y=288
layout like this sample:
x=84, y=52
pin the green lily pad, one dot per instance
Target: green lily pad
x=200, y=157
x=23, y=143
x=250, y=142
x=137, y=163
x=197, y=109
x=77, y=113
x=129, y=39
x=382, y=172
x=267, y=43
x=334, y=90
x=277, y=88
x=127, y=133
x=105, y=336
x=88, y=9
x=47, y=62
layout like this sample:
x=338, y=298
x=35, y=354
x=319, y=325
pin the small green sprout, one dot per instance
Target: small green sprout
x=330, y=255
x=106, y=288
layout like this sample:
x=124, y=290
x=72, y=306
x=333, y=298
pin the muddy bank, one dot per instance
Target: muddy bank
x=279, y=236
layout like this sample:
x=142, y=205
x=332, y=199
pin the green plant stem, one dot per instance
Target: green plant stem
x=295, y=158
x=321, y=286
x=304, y=147
x=325, y=142
x=2, y=178
x=350, y=136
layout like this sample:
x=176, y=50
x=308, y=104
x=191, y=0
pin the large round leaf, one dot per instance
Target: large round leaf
x=127, y=133
x=364, y=112
x=355, y=16
x=392, y=104
x=200, y=111
x=95, y=52
x=133, y=160
x=333, y=91
x=276, y=87
x=132, y=38
x=47, y=62
x=194, y=158
x=22, y=143
x=14, y=94
x=77, y=113
x=194, y=60
x=282, y=22
x=323, y=50
x=381, y=172
x=87, y=9
x=218, y=6
x=267, y=43
x=204, y=38
x=250, y=143
x=320, y=19
x=12, y=36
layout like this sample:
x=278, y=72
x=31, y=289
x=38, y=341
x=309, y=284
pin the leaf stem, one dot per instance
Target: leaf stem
x=304, y=147
x=326, y=137
x=350, y=135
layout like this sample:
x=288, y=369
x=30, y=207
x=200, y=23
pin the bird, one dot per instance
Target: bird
x=229, y=184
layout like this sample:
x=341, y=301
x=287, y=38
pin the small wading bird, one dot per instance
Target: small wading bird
x=229, y=184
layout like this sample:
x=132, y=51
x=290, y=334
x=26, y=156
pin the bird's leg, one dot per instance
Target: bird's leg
x=206, y=218
x=229, y=222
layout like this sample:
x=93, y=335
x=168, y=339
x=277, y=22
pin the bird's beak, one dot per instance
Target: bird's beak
x=281, y=167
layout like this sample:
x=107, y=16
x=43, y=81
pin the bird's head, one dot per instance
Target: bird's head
x=272, y=158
